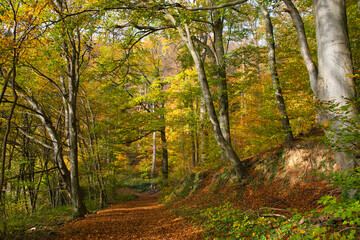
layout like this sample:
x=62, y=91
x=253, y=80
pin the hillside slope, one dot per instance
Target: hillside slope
x=279, y=199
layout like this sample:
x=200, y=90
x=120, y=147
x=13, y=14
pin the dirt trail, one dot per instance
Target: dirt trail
x=142, y=218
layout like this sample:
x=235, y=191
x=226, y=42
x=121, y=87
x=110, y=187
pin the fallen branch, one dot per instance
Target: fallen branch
x=348, y=228
x=275, y=209
x=274, y=215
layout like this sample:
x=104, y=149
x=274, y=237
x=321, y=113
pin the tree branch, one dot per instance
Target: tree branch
x=205, y=46
x=34, y=139
x=138, y=138
x=47, y=170
x=172, y=5
x=224, y=5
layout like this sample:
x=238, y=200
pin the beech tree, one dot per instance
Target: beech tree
x=82, y=103
x=185, y=34
x=289, y=138
x=333, y=82
x=303, y=43
x=73, y=54
x=214, y=47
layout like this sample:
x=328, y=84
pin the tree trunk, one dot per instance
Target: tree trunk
x=289, y=139
x=224, y=119
x=202, y=130
x=71, y=52
x=153, y=164
x=304, y=47
x=221, y=75
x=165, y=157
x=193, y=149
x=193, y=135
x=78, y=205
x=335, y=67
x=55, y=139
x=221, y=141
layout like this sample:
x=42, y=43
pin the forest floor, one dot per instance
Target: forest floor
x=142, y=218
x=280, y=184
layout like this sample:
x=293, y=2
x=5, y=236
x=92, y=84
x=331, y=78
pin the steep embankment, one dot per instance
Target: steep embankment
x=291, y=178
x=278, y=200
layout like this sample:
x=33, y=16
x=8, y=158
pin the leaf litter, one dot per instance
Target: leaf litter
x=142, y=218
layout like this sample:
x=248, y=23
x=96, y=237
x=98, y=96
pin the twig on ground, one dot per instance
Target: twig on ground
x=274, y=215
x=275, y=209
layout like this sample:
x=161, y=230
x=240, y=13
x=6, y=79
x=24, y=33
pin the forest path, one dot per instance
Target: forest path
x=142, y=218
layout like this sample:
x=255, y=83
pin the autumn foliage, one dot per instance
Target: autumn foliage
x=97, y=95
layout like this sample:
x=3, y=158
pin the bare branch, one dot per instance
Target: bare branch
x=274, y=215
x=173, y=5
x=146, y=7
x=138, y=138
x=47, y=170
x=34, y=139
x=224, y=5
x=149, y=28
x=205, y=46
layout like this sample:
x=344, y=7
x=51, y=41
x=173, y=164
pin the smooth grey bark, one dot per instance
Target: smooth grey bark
x=202, y=129
x=218, y=26
x=225, y=147
x=224, y=117
x=153, y=163
x=202, y=107
x=289, y=139
x=334, y=83
x=216, y=53
x=50, y=129
x=78, y=205
x=304, y=47
x=73, y=55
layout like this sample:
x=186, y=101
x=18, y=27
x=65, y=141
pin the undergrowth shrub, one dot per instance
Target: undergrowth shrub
x=227, y=222
x=184, y=188
x=339, y=219
x=18, y=223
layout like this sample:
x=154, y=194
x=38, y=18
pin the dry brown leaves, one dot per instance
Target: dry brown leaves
x=142, y=218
